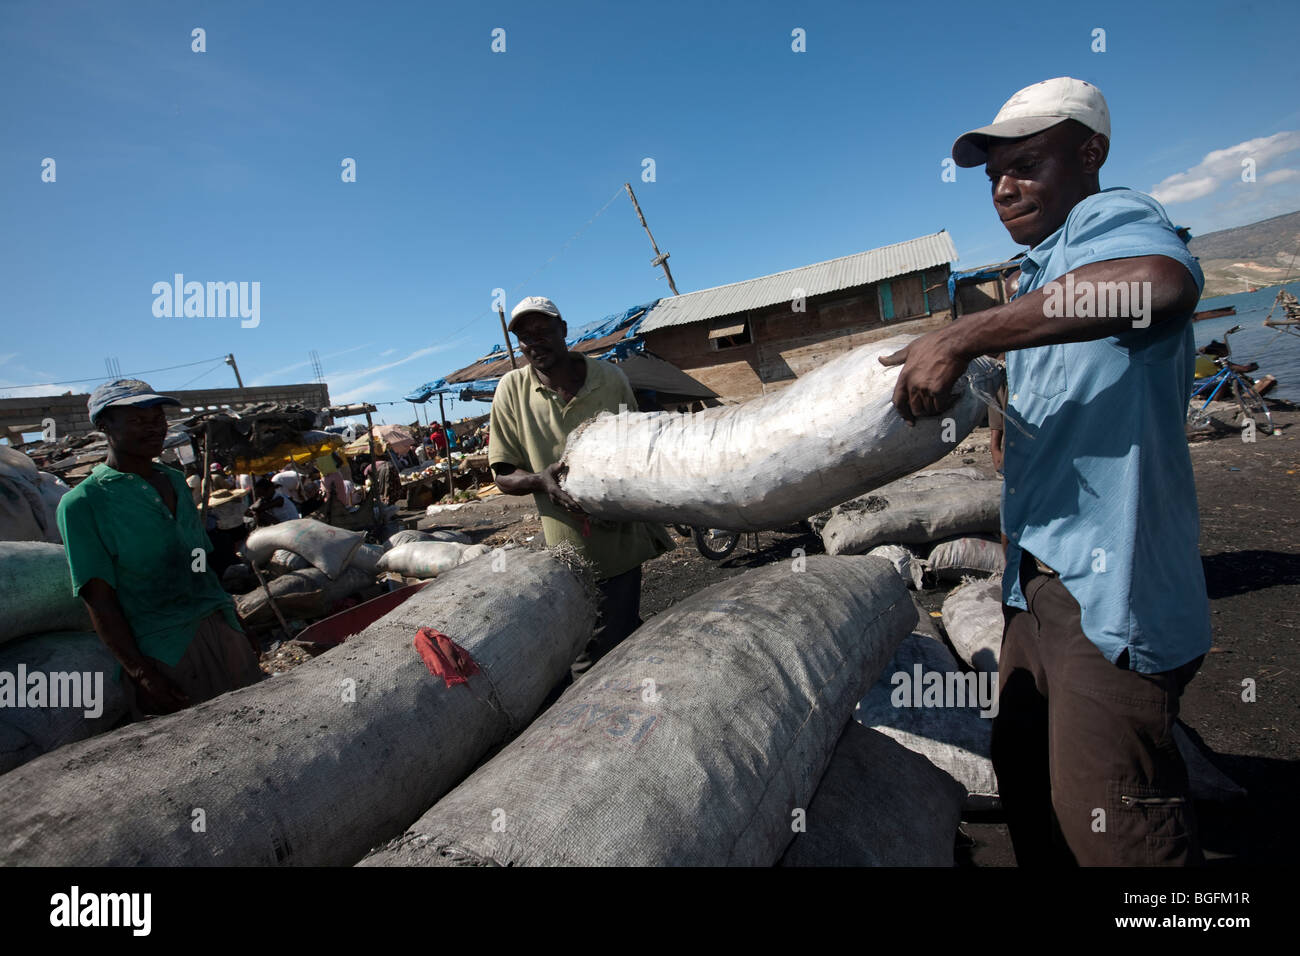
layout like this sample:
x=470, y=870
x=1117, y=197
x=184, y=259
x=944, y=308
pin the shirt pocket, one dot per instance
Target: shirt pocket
x=1047, y=380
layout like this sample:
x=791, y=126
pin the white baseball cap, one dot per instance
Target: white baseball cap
x=1033, y=110
x=533, y=303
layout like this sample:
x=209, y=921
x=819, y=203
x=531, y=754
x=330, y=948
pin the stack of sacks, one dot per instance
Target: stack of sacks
x=909, y=567
x=428, y=559
x=972, y=616
x=698, y=741
x=313, y=566
x=920, y=509
x=953, y=732
x=318, y=765
x=29, y=499
x=323, y=546
x=879, y=804
x=959, y=557
x=56, y=676
x=406, y=537
x=303, y=595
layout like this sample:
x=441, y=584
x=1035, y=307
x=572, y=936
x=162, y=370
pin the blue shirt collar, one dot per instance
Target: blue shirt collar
x=1040, y=253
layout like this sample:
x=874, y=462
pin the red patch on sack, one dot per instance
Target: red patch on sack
x=444, y=657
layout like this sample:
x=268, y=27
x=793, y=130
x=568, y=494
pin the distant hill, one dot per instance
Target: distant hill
x=1260, y=253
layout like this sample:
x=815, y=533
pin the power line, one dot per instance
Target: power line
x=197, y=377
x=583, y=228
x=100, y=378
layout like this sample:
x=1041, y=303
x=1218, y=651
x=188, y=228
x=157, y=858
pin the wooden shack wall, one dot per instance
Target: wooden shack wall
x=978, y=296
x=786, y=344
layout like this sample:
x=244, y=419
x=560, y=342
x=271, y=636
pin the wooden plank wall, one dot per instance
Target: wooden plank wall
x=784, y=361
x=788, y=344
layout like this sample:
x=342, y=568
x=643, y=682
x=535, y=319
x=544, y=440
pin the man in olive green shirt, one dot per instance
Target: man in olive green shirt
x=534, y=410
x=139, y=559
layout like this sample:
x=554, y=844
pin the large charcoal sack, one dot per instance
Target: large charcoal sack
x=474, y=551
x=972, y=616
x=300, y=594
x=366, y=559
x=693, y=741
x=731, y=466
x=52, y=488
x=925, y=624
x=78, y=697
x=920, y=481
x=447, y=535
x=914, y=515
x=318, y=764
x=962, y=556
x=282, y=562
x=238, y=579
x=423, y=559
x=406, y=537
x=27, y=505
x=325, y=546
x=908, y=566
x=954, y=739
x=879, y=804
x=36, y=586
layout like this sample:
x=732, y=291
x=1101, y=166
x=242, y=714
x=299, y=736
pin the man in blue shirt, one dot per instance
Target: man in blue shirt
x=1104, y=596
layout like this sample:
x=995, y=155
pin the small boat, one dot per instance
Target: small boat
x=1214, y=313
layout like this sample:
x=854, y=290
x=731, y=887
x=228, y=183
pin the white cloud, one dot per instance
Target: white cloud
x=1225, y=165
x=364, y=392
x=271, y=378
x=1174, y=189
x=387, y=352
x=342, y=378
x=1279, y=176
x=39, y=391
x=10, y=386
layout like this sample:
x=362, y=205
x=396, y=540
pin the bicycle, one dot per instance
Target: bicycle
x=713, y=543
x=1230, y=374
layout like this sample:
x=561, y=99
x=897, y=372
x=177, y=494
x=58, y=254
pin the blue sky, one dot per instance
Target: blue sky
x=475, y=169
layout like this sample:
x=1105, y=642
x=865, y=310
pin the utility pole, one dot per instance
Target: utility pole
x=442, y=416
x=230, y=360
x=661, y=258
x=509, y=348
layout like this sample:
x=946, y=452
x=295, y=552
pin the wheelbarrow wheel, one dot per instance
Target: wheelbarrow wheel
x=714, y=543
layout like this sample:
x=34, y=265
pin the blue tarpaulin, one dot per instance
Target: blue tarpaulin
x=982, y=274
x=631, y=343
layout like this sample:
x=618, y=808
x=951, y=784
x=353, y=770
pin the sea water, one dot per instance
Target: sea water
x=1276, y=351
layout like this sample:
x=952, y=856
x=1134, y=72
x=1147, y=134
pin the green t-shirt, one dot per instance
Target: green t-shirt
x=529, y=425
x=116, y=527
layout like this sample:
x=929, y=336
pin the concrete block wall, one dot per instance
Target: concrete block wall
x=70, y=416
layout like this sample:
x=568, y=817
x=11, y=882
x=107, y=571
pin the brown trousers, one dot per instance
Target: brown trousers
x=219, y=659
x=1087, y=766
x=618, y=614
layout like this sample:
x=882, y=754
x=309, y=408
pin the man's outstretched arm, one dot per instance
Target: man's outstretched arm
x=933, y=363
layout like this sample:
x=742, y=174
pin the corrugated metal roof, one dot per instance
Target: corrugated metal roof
x=817, y=279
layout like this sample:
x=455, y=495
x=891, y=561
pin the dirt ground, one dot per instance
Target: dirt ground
x=1249, y=497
